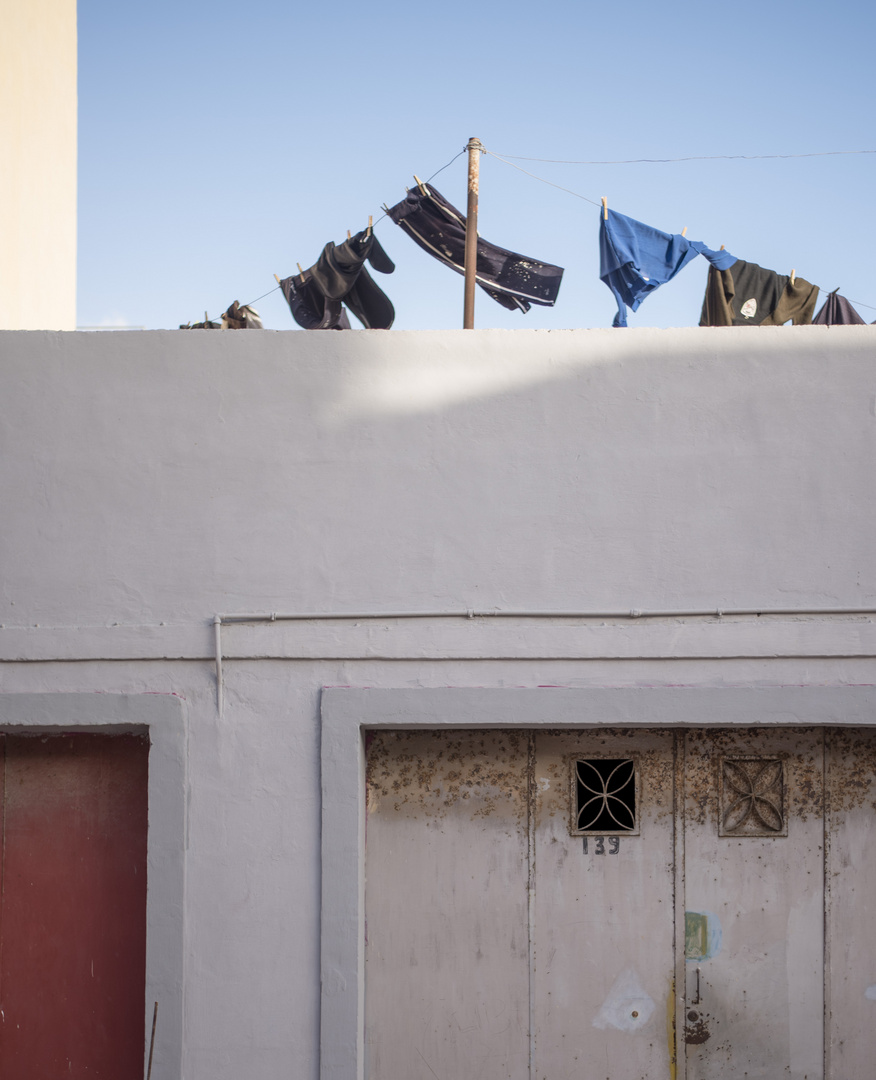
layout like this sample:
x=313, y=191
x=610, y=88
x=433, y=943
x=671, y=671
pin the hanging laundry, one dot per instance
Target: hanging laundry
x=748, y=295
x=837, y=311
x=340, y=274
x=339, y=277
x=206, y=325
x=635, y=259
x=514, y=281
x=309, y=307
x=241, y=318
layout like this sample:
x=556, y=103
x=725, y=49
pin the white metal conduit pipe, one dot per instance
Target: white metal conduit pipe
x=472, y=613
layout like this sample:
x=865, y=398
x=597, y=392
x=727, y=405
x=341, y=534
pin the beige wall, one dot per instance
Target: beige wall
x=38, y=165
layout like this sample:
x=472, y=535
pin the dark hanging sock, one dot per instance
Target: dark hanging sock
x=316, y=296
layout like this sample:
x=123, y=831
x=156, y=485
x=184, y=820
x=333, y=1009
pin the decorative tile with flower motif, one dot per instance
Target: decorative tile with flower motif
x=752, y=797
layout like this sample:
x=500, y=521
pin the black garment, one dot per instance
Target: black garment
x=339, y=277
x=749, y=295
x=514, y=281
x=309, y=307
x=837, y=311
x=340, y=274
x=200, y=326
x=241, y=318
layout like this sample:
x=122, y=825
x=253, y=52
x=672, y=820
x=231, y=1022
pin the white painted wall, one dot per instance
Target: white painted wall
x=150, y=480
x=38, y=102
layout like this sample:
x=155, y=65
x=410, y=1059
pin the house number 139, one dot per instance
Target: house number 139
x=599, y=846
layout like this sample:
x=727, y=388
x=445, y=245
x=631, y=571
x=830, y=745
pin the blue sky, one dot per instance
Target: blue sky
x=220, y=144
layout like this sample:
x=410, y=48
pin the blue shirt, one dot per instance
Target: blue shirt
x=636, y=259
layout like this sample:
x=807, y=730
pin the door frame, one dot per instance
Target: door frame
x=163, y=718
x=347, y=714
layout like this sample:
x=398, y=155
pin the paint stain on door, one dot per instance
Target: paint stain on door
x=702, y=936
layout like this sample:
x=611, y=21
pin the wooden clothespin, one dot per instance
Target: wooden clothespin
x=276, y=279
x=421, y=185
x=605, y=208
x=206, y=317
x=349, y=234
x=684, y=231
x=370, y=221
x=722, y=247
x=793, y=276
x=301, y=272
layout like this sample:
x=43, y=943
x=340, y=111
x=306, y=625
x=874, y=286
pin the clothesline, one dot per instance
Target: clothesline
x=541, y=178
x=382, y=216
x=578, y=195
x=696, y=157
x=634, y=161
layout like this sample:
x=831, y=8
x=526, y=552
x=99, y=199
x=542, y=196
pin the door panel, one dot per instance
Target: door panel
x=604, y=920
x=73, y=907
x=447, y=945
x=851, y=888
x=754, y=884
x=516, y=932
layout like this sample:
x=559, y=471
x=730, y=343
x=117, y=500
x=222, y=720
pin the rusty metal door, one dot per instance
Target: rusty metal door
x=753, y=871
x=604, y=909
x=447, y=880
x=73, y=906
x=850, y=888
x=621, y=904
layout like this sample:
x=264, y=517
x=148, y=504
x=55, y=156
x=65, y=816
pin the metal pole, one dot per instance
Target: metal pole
x=471, y=232
x=152, y=1041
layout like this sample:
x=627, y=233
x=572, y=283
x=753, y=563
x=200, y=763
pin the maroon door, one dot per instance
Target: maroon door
x=73, y=906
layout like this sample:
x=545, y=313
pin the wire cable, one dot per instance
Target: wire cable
x=695, y=157
x=268, y=293
x=860, y=303
x=449, y=163
x=534, y=177
x=432, y=177
x=251, y=302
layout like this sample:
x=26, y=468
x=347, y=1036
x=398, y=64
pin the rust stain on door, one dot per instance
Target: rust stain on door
x=431, y=773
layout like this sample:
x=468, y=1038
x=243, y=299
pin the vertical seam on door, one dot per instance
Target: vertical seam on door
x=678, y=1058
x=530, y=891
x=827, y=750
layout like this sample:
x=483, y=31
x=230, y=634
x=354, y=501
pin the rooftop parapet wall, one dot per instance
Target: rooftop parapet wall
x=160, y=477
